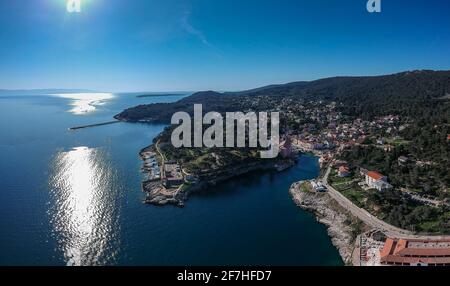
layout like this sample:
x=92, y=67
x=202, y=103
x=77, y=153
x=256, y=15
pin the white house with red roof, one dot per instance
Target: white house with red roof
x=377, y=181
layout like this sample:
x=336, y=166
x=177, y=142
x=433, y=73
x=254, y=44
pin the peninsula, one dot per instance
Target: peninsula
x=174, y=173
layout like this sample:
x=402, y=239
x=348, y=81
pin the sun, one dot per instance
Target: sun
x=74, y=6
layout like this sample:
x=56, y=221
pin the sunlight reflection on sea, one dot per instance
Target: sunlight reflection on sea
x=83, y=103
x=84, y=212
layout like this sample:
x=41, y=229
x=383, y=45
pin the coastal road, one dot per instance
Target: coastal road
x=369, y=219
x=163, y=159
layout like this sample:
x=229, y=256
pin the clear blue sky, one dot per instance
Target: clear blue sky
x=168, y=45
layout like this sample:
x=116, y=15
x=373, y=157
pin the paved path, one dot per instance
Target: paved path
x=163, y=159
x=369, y=219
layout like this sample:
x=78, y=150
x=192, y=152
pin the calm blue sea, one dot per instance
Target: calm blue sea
x=74, y=198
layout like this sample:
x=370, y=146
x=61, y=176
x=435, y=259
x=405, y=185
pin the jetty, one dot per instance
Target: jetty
x=93, y=125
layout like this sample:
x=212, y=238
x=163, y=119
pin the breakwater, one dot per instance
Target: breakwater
x=93, y=125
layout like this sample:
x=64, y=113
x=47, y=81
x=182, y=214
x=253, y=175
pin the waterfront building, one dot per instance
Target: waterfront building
x=415, y=252
x=318, y=186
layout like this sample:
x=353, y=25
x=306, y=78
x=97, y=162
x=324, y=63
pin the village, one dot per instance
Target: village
x=327, y=133
x=318, y=128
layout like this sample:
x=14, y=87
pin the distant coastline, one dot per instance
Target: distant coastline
x=6, y=92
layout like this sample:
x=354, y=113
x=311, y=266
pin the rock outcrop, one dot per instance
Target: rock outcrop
x=327, y=212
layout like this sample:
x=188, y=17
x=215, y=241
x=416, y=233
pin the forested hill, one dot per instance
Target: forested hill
x=404, y=93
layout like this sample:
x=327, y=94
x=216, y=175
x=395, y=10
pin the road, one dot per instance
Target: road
x=163, y=159
x=369, y=219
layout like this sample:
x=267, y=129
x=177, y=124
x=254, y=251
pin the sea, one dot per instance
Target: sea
x=75, y=198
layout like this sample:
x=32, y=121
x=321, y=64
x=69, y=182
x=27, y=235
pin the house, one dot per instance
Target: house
x=402, y=160
x=343, y=171
x=318, y=186
x=377, y=181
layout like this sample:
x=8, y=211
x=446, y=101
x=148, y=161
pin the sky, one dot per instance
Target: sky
x=224, y=45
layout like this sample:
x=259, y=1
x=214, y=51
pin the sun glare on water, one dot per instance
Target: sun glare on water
x=84, y=215
x=83, y=103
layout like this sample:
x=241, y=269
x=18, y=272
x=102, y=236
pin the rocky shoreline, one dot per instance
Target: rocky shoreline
x=338, y=221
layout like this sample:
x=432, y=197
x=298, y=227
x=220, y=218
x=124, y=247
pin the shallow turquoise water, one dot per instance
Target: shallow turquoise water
x=74, y=198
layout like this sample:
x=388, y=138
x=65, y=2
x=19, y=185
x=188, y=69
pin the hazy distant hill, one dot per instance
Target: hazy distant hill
x=41, y=91
x=423, y=84
x=359, y=95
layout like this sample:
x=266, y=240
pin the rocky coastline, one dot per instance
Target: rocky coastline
x=340, y=224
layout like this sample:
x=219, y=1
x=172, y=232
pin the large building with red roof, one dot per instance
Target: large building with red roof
x=415, y=252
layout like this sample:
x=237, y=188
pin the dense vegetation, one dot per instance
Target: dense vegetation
x=426, y=172
x=205, y=162
x=397, y=210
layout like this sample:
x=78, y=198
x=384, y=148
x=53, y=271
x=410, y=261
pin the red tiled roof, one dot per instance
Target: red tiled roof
x=375, y=175
x=389, y=247
x=425, y=252
x=343, y=169
x=399, y=251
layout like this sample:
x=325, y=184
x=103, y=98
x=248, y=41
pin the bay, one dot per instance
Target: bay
x=74, y=198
